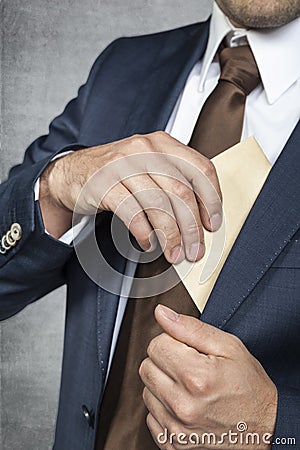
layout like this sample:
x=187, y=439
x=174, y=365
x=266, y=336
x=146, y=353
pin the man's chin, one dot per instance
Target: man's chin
x=260, y=15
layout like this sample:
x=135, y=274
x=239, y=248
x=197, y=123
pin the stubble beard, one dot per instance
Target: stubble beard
x=261, y=13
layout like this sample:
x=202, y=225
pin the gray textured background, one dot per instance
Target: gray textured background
x=47, y=48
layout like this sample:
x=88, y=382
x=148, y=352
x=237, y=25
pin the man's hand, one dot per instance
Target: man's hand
x=200, y=379
x=152, y=182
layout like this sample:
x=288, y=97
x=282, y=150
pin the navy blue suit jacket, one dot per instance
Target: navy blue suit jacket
x=132, y=88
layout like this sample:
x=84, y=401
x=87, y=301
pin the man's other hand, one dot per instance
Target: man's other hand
x=199, y=379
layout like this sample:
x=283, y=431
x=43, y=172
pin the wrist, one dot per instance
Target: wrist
x=57, y=217
x=50, y=186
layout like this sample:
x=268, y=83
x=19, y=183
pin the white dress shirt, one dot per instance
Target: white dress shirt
x=272, y=109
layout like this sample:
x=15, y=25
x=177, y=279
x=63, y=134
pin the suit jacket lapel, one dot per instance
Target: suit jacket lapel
x=271, y=223
x=107, y=301
x=159, y=91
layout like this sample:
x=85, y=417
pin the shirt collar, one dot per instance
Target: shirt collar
x=275, y=51
x=219, y=28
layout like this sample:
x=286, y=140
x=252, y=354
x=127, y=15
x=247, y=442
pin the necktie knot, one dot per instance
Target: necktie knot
x=239, y=67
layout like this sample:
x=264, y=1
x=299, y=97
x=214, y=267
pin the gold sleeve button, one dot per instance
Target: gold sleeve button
x=5, y=244
x=9, y=239
x=16, y=231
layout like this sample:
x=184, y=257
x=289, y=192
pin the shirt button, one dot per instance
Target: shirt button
x=88, y=415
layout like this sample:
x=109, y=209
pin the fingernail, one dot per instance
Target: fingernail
x=196, y=251
x=177, y=254
x=215, y=221
x=168, y=313
x=152, y=242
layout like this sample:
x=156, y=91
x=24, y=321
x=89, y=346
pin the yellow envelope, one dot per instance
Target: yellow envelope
x=242, y=171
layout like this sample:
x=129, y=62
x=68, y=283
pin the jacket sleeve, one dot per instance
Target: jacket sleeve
x=34, y=265
x=287, y=430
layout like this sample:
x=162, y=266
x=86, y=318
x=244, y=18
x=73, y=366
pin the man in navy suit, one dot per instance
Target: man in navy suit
x=143, y=96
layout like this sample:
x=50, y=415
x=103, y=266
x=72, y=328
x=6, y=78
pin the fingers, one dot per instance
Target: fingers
x=181, y=412
x=201, y=174
x=155, y=407
x=158, y=382
x=209, y=194
x=165, y=428
x=173, y=357
x=166, y=400
x=159, y=420
x=157, y=206
x=171, y=207
x=201, y=336
x=159, y=435
x=186, y=210
x=126, y=207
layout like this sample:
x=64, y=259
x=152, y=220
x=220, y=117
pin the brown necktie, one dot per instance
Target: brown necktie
x=122, y=421
x=220, y=123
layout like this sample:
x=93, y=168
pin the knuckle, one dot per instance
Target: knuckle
x=168, y=447
x=212, y=364
x=197, y=330
x=186, y=412
x=145, y=395
x=148, y=420
x=189, y=417
x=209, y=169
x=157, y=344
x=158, y=201
x=137, y=220
x=143, y=243
x=236, y=344
x=139, y=229
x=151, y=348
x=184, y=192
x=161, y=203
x=153, y=345
x=144, y=369
x=194, y=382
x=118, y=153
x=193, y=229
x=173, y=235
x=106, y=202
x=159, y=134
x=177, y=445
x=141, y=142
x=173, y=427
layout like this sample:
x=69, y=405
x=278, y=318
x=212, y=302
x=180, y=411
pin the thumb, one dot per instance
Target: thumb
x=199, y=335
